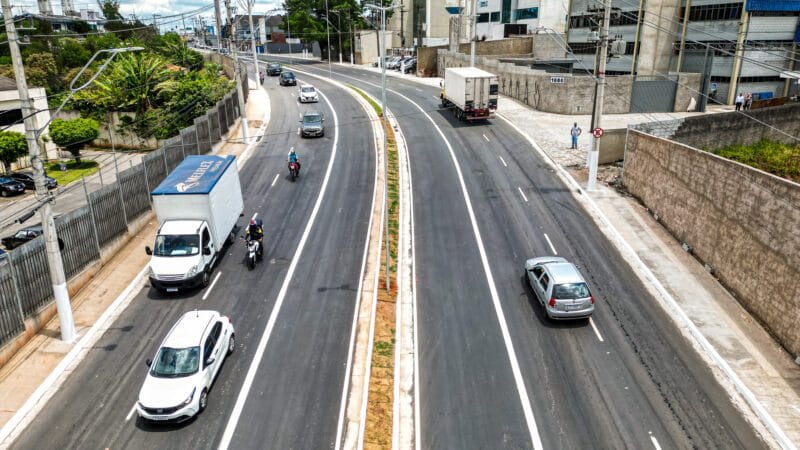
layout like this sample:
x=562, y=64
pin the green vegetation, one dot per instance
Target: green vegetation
x=74, y=134
x=75, y=171
x=166, y=86
x=372, y=102
x=774, y=157
x=12, y=147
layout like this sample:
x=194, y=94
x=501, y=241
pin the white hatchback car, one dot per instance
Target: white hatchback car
x=308, y=94
x=185, y=366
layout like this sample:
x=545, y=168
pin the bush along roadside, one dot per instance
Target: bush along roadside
x=378, y=429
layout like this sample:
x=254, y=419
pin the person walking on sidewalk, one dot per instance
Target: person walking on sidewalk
x=574, y=133
x=748, y=101
x=261, y=76
x=738, y=101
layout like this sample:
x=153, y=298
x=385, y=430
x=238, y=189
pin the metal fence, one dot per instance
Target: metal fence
x=25, y=286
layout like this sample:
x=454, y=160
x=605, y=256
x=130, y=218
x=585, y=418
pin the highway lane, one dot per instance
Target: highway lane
x=641, y=382
x=92, y=408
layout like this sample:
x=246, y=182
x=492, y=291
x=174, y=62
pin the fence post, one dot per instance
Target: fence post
x=91, y=212
x=147, y=183
x=119, y=186
x=164, y=153
x=16, y=287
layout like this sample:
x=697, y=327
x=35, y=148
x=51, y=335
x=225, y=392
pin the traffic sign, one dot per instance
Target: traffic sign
x=597, y=132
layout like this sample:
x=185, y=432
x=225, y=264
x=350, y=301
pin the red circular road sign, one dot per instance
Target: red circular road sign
x=597, y=132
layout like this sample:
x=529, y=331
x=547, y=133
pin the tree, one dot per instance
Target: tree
x=307, y=19
x=74, y=134
x=12, y=147
x=81, y=27
x=41, y=70
x=110, y=9
x=72, y=53
x=129, y=83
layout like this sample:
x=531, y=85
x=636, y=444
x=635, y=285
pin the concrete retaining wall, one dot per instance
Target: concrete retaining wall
x=721, y=130
x=741, y=221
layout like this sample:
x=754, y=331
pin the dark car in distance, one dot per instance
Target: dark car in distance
x=26, y=178
x=312, y=124
x=288, y=79
x=22, y=236
x=10, y=186
x=274, y=69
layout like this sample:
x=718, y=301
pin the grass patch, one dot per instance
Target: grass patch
x=778, y=159
x=372, y=102
x=378, y=430
x=75, y=171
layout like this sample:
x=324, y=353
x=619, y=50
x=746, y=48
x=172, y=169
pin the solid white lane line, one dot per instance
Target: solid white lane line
x=487, y=139
x=655, y=442
x=502, y=160
x=275, y=180
x=596, y=331
x=208, y=291
x=522, y=194
x=527, y=410
x=551, y=244
x=130, y=414
x=418, y=89
x=233, y=420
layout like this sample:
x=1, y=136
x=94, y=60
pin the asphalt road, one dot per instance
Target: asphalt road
x=635, y=382
x=295, y=398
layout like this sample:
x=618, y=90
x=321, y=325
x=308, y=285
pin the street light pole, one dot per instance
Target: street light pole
x=328, y=31
x=382, y=50
x=253, y=39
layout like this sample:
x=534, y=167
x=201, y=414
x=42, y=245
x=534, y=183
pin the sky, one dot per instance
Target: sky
x=144, y=9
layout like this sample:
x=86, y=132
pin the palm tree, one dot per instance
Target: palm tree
x=132, y=81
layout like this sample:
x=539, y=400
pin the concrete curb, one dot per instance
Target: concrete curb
x=53, y=382
x=732, y=383
x=355, y=396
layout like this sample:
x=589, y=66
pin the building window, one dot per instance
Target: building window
x=10, y=117
x=590, y=20
x=583, y=48
x=527, y=13
x=771, y=79
x=489, y=17
x=702, y=13
x=506, y=12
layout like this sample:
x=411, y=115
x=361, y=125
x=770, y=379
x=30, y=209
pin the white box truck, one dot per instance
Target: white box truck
x=197, y=206
x=470, y=92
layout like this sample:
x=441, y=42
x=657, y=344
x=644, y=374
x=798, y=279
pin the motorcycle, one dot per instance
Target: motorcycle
x=294, y=170
x=254, y=252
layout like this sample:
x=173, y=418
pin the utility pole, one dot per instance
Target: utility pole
x=600, y=87
x=218, y=18
x=339, y=32
x=239, y=88
x=353, y=38
x=55, y=264
x=473, y=27
x=402, y=27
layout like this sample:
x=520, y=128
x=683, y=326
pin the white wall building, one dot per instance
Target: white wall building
x=10, y=113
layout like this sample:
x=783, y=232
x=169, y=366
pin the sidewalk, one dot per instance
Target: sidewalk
x=761, y=365
x=33, y=364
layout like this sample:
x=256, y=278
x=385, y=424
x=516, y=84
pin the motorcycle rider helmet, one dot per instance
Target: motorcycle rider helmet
x=291, y=151
x=252, y=221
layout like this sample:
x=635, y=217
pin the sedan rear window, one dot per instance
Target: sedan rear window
x=307, y=89
x=312, y=118
x=570, y=291
x=176, y=362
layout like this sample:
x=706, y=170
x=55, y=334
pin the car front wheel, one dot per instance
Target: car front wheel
x=203, y=402
x=231, y=344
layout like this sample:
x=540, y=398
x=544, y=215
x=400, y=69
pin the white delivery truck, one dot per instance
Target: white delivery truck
x=197, y=206
x=470, y=92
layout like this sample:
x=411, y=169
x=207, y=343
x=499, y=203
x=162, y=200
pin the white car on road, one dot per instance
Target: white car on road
x=308, y=94
x=185, y=366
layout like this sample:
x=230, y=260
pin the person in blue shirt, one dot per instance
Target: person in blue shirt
x=293, y=158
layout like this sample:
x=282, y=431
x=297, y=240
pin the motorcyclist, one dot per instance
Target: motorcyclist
x=255, y=231
x=293, y=158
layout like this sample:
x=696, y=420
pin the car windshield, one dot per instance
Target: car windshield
x=4, y=180
x=176, y=362
x=177, y=245
x=307, y=89
x=274, y=66
x=570, y=291
x=312, y=118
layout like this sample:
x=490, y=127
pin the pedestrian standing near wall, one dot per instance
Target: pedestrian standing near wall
x=748, y=100
x=574, y=133
x=739, y=101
